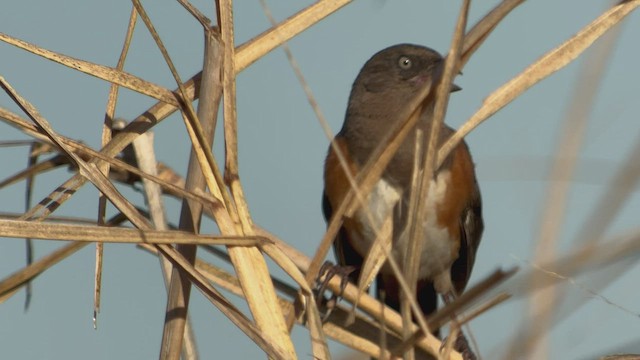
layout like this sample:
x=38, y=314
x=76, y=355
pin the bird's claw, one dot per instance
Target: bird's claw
x=328, y=271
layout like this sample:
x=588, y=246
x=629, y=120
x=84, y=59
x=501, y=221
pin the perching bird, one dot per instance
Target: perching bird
x=453, y=224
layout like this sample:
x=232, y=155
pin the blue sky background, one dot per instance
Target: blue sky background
x=282, y=149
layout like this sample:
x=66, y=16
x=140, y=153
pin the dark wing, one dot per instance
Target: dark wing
x=471, y=227
x=345, y=254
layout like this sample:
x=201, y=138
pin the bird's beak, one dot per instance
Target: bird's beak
x=438, y=74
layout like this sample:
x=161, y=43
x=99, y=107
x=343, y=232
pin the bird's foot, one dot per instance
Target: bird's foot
x=327, y=272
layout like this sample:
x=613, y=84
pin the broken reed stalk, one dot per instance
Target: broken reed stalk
x=191, y=213
x=104, y=167
x=146, y=160
x=249, y=263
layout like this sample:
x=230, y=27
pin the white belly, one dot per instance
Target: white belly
x=436, y=250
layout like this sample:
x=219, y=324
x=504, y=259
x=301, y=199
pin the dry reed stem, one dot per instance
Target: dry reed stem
x=254, y=49
x=104, y=167
x=626, y=178
x=441, y=99
x=210, y=93
x=249, y=263
x=88, y=171
x=548, y=64
x=117, y=144
x=443, y=315
x=21, y=143
x=145, y=158
x=367, y=303
x=226, y=307
x=622, y=251
x=543, y=303
x=35, y=150
x=191, y=213
x=483, y=28
x=483, y=308
x=202, y=19
x=416, y=177
x=34, y=169
x=100, y=71
x=617, y=192
x=319, y=347
x=91, y=172
x=88, y=154
x=161, y=110
x=82, y=233
x=588, y=257
x=310, y=278
x=279, y=33
x=351, y=337
x=179, y=287
x=12, y=283
x=22, y=277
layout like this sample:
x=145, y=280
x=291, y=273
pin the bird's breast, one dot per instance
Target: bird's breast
x=438, y=249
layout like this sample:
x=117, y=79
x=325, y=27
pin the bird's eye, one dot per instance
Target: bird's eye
x=404, y=63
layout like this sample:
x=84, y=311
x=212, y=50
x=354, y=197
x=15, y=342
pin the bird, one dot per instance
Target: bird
x=453, y=223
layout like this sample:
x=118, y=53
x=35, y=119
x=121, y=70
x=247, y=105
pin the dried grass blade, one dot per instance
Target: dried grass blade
x=351, y=337
x=616, y=194
x=199, y=174
x=142, y=123
x=376, y=257
x=542, y=68
x=100, y=71
x=29, y=181
x=173, y=187
x=104, y=167
x=83, y=233
x=146, y=160
x=197, y=14
x=286, y=264
x=483, y=28
x=459, y=304
x=226, y=307
x=88, y=171
x=414, y=247
x=249, y=263
x=27, y=274
x=34, y=169
x=249, y=52
x=319, y=345
x=543, y=303
x=367, y=303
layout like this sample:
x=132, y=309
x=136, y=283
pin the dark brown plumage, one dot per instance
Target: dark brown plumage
x=453, y=225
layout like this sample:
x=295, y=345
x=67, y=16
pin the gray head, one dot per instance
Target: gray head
x=399, y=68
x=385, y=85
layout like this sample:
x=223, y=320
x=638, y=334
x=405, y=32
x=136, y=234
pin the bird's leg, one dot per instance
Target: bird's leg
x=327, y=271
x=460, y=344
